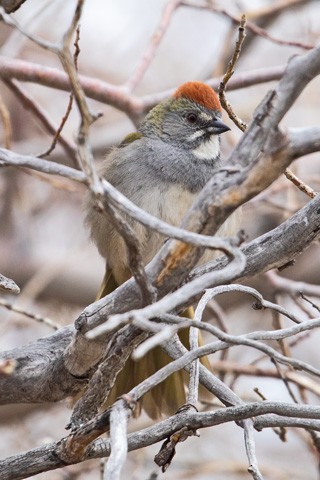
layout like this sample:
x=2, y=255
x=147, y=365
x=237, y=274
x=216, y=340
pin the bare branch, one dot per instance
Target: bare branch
x=299, y=183
x=8, y=286
x=33, y=316
x=30, y=103
x=118, y=441
x=153, y=46
x=117, y=97
x=253, y=370
x=230, y=71
x=251, y=454
x=8, y=157
x=292, y=287
x=274, y=9
x=250, y=26
x=266, y=414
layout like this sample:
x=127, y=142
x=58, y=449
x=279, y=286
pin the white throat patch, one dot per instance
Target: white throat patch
x=209, y=149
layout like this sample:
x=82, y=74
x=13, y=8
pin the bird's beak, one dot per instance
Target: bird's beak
x=217, y=126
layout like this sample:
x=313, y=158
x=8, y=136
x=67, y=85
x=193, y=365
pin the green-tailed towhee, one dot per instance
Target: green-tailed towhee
x=161, y=168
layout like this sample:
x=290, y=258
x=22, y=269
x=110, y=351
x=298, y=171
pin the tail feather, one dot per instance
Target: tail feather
x=164, y=398
x=108, y=285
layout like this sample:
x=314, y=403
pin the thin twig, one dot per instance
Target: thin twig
x=285, y=381
x=303, y=187
x=274, y=8
x=69, y=106
x=58, y=131
x=251, y=451
x=277, y=324
x=30, y=104
x=11, y=22
x=87, y=118
x=303, y=306
x=220, y=316
x=250, y=26
x=161, y=335
x=34, y=316
x=314, y=305
x=230, y=71
x=237, y=369
x=237, y=120
x=289, y=286
x=153, y=46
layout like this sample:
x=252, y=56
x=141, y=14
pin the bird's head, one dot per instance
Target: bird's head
x=190, y=119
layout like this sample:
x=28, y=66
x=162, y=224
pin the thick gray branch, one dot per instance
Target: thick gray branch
x=46, y=458
x=38, y=366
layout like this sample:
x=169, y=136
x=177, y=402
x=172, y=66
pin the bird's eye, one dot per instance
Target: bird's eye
x=192, y=117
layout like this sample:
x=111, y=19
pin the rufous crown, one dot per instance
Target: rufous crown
x=199, y=92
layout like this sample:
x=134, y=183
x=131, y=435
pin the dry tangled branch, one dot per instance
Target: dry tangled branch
x=87, y=355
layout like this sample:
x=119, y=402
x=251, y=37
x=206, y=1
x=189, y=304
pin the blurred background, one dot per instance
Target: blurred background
x=45, y=247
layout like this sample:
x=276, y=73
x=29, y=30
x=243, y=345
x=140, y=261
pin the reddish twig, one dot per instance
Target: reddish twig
x=115, y=96
x=70, y=103
x=30, y=104
x=250, y=26
x=303, y=187
x=153, y=46
x=274, y=8
x=289, y=43
x=57, y=133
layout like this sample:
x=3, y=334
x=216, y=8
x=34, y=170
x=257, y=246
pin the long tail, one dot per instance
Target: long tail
x=168, y=396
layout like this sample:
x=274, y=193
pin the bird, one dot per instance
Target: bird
x=161, y=168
